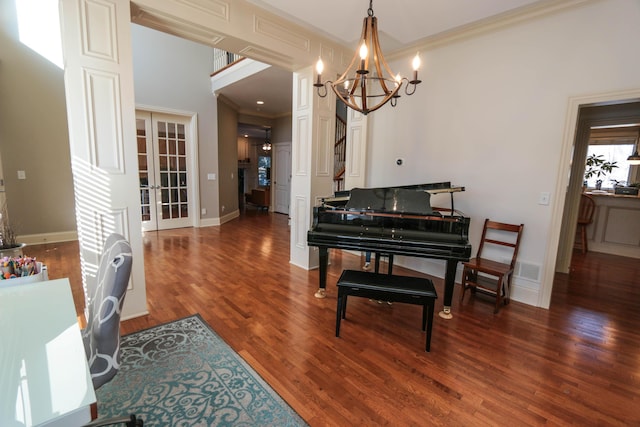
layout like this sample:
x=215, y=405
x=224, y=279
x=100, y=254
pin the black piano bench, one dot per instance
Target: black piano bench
x=387, y=287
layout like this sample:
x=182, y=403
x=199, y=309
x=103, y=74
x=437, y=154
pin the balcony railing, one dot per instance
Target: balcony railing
x=223, y=60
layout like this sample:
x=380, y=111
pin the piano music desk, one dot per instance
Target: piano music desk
x=387, y=287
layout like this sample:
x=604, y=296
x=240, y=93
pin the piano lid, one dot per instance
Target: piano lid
x=396, y=200
x=341, y=197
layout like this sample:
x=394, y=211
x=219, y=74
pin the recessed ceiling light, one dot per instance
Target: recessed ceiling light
x=260, y=102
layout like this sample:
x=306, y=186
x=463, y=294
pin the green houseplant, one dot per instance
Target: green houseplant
x=598, y=167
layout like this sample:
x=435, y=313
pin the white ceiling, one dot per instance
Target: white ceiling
x=400, y=23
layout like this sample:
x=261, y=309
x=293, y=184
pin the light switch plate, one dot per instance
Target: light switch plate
x=544, y=198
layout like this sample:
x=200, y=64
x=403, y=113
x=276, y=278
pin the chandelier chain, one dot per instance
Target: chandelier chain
x=370, y=10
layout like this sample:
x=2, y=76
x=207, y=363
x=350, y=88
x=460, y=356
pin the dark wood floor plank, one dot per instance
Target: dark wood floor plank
x=577, y=363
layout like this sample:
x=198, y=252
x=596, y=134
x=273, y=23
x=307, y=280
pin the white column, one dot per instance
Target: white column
x=313, y=128
x=356, y=156
x=102, y=135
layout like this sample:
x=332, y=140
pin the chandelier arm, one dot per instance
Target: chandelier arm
x=363, y=93
x=410, y=83
x=320, y=86
x=356, y=56
x=383, y=102
x=378, y=58
x=349, y=102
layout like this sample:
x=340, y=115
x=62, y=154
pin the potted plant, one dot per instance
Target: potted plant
x=8, y=244
x=598, y=167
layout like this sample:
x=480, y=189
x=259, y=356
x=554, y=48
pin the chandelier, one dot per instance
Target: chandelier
x=368, y=83
x=266, y=146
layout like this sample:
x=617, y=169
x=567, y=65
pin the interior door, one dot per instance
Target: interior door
x=163, y=164
x=282, y=181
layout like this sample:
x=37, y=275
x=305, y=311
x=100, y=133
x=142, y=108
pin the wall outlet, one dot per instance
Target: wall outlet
x=22, y=175
x=203, y=211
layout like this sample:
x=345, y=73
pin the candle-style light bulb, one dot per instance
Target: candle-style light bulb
x=319, y=69
x=416, y=62
x=364, y=52
x=416, y=65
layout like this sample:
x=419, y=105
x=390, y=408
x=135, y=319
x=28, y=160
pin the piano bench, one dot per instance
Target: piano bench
x=387, y=287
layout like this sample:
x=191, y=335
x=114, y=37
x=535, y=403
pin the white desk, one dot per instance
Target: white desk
x=44, y=375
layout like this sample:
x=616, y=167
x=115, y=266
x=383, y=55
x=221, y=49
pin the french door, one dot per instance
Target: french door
x=163, y=162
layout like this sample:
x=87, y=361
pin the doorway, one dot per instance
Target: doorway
x=620, y=113
x=164, y=166
x=282, y=181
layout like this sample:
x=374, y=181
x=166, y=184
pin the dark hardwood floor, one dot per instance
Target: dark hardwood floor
x=575, y=364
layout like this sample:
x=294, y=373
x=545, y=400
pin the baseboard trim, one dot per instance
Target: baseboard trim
x=213, y=222
x=39, y=239
x=209, y=222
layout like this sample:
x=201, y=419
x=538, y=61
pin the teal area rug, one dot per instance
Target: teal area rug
x=183, y=374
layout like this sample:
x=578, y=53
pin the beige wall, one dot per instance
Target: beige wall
x=34, y=138
x=281, y=129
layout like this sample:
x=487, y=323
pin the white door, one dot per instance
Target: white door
x=282, y=181
x=164, y=174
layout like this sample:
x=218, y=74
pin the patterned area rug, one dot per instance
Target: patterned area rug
x=183, y=374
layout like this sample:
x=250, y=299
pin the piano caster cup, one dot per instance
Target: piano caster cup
x=321, y=293
x=446, y=313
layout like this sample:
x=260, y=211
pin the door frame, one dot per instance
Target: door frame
x=193, y=159
x=559, y=245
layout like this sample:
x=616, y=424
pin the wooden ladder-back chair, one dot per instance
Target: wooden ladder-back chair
x=585, y=217
x=486, y=275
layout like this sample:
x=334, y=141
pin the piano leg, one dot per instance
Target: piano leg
x=449, y=284
x=389, y=265
x=323, y=258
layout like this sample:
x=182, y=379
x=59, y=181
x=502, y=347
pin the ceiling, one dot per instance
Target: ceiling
x=400, y=23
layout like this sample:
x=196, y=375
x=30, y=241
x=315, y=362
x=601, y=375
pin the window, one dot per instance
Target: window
x=614, y=145
x=264, y=171
x=612, y=153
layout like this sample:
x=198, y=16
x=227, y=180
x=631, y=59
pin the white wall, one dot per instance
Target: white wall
x=490, y=115
x=173, y=73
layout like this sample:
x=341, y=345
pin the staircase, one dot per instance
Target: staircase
x=339, y=154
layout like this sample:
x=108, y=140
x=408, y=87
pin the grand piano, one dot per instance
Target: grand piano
x=392, y=221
